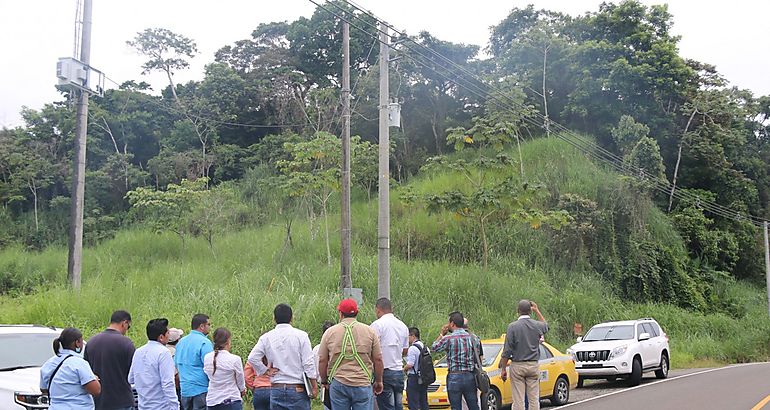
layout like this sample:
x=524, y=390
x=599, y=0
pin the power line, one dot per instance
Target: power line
x=587, y=147
x=666, y=188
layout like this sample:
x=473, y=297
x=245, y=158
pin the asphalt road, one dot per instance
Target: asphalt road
x=731, y=388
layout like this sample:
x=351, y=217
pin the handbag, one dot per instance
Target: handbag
x=481, y=376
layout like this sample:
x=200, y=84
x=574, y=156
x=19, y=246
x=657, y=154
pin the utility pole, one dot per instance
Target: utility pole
x=346, y=281
x=767, y=266
x=383, y=221
x=75, y=258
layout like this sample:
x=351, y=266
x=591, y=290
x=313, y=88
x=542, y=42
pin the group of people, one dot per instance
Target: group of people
x=354, y=366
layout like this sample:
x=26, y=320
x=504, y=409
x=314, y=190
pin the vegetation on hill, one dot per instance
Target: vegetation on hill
x=240, y=276
x=220, y=195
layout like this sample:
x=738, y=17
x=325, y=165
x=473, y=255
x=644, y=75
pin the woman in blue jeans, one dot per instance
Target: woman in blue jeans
x=227, y=383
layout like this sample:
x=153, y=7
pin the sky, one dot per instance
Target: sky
x=34, y=33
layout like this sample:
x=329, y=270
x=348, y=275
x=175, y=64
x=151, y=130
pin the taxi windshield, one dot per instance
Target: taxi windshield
x=490, y=354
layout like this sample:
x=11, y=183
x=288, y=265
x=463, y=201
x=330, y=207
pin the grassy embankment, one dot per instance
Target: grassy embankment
x=240, y=282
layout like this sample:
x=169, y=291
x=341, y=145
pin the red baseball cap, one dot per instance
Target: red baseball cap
x=348, y=306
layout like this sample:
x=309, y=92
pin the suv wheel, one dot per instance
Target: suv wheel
x=560, y=392
x=636, y=373
x=580, y=381
x=662, y=373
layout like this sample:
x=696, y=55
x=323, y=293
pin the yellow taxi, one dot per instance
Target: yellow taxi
x=557, y=377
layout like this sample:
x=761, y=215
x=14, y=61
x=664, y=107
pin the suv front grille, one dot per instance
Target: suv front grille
x=593, y=356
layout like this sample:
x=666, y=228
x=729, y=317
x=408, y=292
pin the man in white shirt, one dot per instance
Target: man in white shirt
x=394, y=342
x=290, y=359
x=152, y=370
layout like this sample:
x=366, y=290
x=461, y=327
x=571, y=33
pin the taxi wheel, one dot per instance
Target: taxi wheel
x=493, y=400
x=560, y=392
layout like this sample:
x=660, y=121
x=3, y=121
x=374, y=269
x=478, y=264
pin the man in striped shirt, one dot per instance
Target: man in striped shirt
x=459, y=346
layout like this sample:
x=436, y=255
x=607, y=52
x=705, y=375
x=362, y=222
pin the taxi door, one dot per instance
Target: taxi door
x=506, y=391
x=548, y=371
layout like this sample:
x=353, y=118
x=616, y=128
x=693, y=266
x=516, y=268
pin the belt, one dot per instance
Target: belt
x=459, y=371
x=288, y=385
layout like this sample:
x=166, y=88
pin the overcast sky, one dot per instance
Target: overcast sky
x=731, y=34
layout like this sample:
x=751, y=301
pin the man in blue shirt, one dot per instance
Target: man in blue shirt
x=189, y=362
x=152, y=370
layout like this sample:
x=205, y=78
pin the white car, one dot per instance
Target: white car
x=25, y=349
x=624, y=349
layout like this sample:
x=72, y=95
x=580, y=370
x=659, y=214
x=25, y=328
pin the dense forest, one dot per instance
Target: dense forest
x=257, y=140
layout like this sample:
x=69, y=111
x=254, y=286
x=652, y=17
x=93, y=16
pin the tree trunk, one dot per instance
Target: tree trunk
x=173, y=87
x=485, y=245
x=678, y=159
x=33, y=189
x=546, y=120
x=326, y=229
x=521, y=159
x=433, y=125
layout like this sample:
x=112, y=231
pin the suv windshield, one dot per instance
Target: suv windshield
x=490, y=354
x=623, y=332
x=25, y=350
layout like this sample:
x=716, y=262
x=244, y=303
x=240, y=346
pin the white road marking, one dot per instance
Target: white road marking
x=660, y=381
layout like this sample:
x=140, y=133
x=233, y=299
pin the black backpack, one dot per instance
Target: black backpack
x=426, y=374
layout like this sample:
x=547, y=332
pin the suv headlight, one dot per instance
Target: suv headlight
x=572, y=354
x=618, y=351
x=31, y=400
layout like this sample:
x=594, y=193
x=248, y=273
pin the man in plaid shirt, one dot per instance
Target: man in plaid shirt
x=459, y=346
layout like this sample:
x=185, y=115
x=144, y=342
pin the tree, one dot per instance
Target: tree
x=168, y=210
x=628, y=133
x=488, y=197
x=314, y=172
x=533, y=45
x=167, y=52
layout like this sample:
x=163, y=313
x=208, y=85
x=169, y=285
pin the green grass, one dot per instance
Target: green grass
x=248, y=272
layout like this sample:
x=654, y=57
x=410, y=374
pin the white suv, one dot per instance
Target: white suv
x=623, y=349
x=25, y=349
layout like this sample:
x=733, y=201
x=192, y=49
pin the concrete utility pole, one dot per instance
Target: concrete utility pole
x=383, y=221
x=345, y=259
x=767, y=266
x=75, y=259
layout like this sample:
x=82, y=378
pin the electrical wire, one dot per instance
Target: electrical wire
x=581, y=144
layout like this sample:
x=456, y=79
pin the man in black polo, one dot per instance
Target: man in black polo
x=522, y=347
x=110, y=353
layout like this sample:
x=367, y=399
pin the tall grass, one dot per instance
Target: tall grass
x=248, y=272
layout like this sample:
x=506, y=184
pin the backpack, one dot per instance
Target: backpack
x=426, y=374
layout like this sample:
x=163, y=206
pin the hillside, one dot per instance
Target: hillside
x=247, y=272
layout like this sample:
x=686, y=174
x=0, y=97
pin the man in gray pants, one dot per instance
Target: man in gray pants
x=522, y=344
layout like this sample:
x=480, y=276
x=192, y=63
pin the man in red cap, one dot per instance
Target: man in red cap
x=350, y=361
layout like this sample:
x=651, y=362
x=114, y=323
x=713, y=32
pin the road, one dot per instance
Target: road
x=734, y=387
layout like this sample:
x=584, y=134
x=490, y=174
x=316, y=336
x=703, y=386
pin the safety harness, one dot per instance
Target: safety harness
x=348, y=339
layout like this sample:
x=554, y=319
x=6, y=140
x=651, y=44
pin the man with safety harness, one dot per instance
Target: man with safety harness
x=350, y=361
